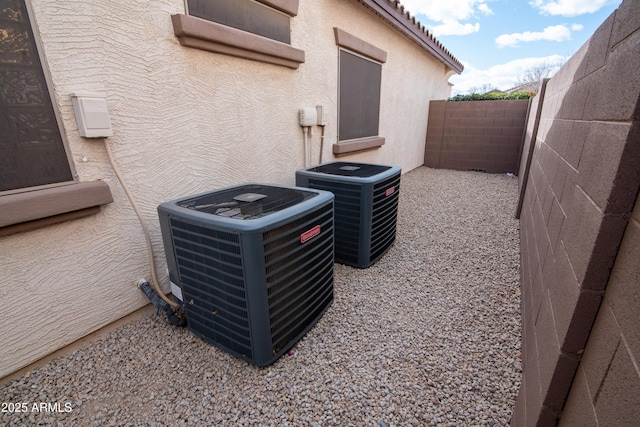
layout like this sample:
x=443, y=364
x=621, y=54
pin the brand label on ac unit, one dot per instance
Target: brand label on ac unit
x=310, y=234
x=390, y=191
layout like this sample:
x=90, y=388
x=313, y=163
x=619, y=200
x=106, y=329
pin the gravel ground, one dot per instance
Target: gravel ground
x=427, y=336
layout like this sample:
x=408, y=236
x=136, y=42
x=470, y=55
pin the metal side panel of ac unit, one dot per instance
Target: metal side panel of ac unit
x=299, y=275
x=384, y=214
x=349, y=230
x=211, y=272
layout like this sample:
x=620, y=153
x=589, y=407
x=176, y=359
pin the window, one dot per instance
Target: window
x=33, y=152
x=244, y=15
x=359, y=96
x=360, y=80
x=256, y=30
x=35, y=165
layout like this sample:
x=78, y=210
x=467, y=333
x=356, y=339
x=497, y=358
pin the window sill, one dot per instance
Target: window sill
x=206, y=35
x=360, y=144
x=27, y=211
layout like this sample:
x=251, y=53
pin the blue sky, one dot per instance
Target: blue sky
x=499, y=40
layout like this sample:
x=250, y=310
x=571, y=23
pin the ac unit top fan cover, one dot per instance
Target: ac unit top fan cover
x=354, y=172
x=245, y=207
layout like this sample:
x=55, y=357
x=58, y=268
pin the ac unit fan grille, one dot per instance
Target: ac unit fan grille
x=213, y=286
x=348, y=208
x=360, y=170
x=233, y=203
x=299, y=275
x=385, y=211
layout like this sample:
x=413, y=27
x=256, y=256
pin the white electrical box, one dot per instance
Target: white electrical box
x=92, y=114
x=320, y=115
x=308, y=116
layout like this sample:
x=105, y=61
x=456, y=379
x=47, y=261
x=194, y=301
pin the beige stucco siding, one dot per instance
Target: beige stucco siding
x=184, y=121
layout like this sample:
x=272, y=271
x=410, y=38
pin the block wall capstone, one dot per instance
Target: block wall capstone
x=580, y=238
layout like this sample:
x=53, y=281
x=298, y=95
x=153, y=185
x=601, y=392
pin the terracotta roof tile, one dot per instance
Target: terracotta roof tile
x=394, y=13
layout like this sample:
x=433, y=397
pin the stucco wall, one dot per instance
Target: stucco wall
x=184, y=121
x=582, y=186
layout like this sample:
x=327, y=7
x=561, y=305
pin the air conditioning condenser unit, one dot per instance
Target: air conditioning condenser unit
x=366, y=207
x=251, y=264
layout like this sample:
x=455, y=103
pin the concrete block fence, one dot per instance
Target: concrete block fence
x=576, y=150
x=475, y=135
x=580, y=237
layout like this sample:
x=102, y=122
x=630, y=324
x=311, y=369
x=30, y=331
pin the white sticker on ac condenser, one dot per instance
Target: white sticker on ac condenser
x=176, y=290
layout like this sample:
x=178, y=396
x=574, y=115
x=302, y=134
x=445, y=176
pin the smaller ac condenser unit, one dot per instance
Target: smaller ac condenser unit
x=366, y=207
x=252, y=265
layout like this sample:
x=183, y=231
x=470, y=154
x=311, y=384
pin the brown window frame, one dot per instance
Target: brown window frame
x=363, y=51
x=232, y=35
x=359, y=96
x=28, y=208
x=47, y=108
x=245, y=15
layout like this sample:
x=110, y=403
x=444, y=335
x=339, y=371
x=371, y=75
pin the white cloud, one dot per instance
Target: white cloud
x=577, y=27
x=440, y=11
x=555, y=33
x=501, y=76
x=482, y=7
x=569, y=7
x=450, y=14
x=455, y=28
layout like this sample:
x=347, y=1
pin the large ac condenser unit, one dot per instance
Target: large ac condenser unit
x=366, y=207
x=252, y=265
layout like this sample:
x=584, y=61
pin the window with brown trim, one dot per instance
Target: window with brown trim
x=37, y=176
x=359, y=88
x=33, y=152
x=245, y=15
x=359, y=104
x=252, y=29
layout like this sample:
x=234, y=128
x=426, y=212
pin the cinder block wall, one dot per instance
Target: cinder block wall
x=606, y=388
x=475, y=135
x=580, y=239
